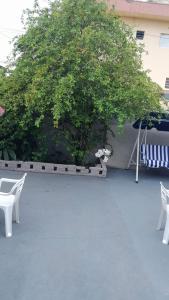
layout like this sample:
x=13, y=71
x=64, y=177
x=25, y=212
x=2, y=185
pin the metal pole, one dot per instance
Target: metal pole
x=146, y=137
x=132, y=153
x=138, y=152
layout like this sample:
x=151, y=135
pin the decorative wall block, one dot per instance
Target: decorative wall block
x=98, y=170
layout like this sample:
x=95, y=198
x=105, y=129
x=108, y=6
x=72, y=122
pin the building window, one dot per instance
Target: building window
x=139, y=35
x=164, y=40
x=167, y=83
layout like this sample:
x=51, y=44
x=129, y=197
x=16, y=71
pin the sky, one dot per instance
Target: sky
x=10, y=23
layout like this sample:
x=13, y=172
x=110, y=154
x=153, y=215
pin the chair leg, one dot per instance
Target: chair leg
x=166, y=232
x=8, y=221
x=161, y=219
x=16, y=212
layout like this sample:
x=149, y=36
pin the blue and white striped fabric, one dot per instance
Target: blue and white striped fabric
x=155, y=156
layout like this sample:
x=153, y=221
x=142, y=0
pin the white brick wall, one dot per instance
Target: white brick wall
x=98, y=170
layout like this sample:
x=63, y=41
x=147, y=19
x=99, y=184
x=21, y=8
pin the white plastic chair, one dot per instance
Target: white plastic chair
x=9, y=202
x=164, y=214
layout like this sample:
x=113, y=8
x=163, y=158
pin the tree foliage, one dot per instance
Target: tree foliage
x=78, y=65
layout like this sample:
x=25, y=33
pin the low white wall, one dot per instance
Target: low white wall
x=40, y=167
x=123, y=144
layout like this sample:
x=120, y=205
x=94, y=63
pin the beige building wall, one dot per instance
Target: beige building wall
x=156, y=58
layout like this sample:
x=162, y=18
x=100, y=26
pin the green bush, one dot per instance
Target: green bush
x=78, y=66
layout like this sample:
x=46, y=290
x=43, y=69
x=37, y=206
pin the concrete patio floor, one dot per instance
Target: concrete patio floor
x=84, y=238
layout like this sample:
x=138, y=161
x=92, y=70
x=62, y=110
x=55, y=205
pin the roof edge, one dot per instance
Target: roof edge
x=140, y=9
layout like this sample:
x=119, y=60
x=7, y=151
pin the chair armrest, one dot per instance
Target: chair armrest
x=7, y=180
x=5, y=194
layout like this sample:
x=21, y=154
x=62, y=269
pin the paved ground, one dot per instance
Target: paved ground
x=84, y=238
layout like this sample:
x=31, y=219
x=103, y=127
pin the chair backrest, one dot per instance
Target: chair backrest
x=17, y=188
x=164, y=196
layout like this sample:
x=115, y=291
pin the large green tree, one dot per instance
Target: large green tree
x=77, y=65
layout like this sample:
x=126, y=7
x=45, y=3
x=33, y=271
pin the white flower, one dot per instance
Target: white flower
x=103, y=155
x=99, y=153
x=107, y=152
x=105, y=159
